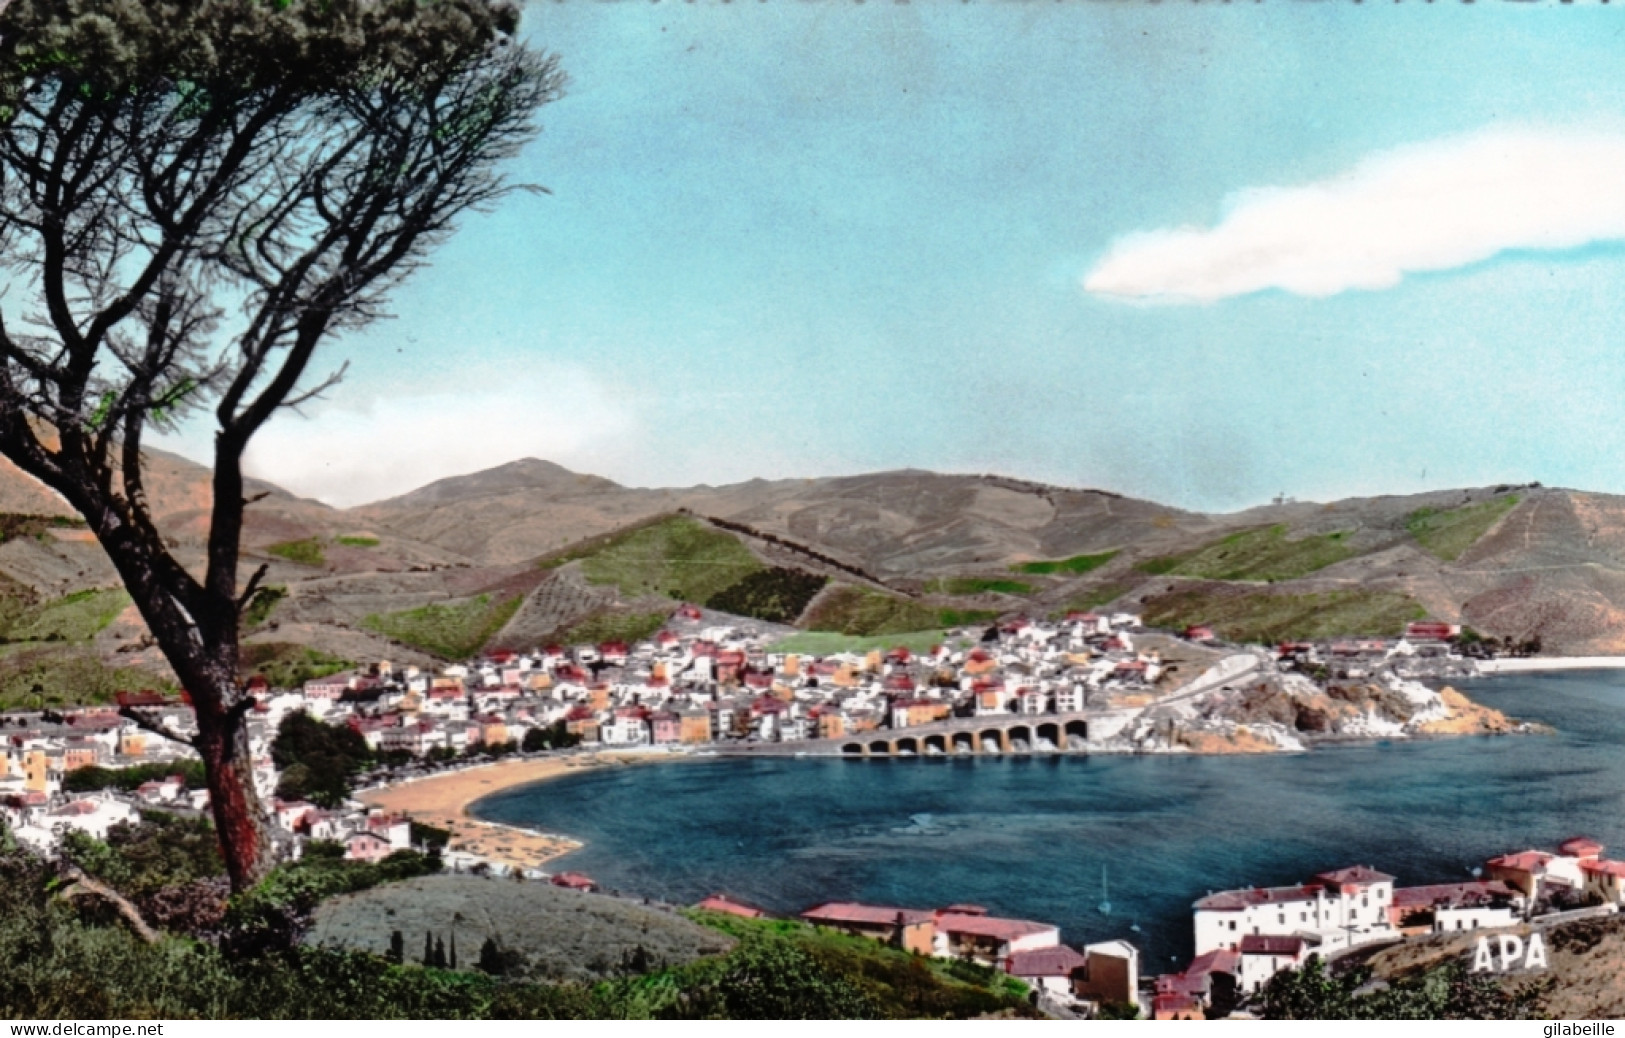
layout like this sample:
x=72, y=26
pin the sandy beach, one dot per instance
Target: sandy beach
x=443, y=800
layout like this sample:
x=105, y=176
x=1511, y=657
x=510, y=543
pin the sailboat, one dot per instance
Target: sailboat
x=1105, y=906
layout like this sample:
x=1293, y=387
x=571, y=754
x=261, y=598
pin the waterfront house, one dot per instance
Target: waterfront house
x=1111, y=974
x=366, y=846
x=968, y=932
x=1176, y=1007
x=1210, y=981
x=1604, y=880
x=665, y=727
x=1049, y=970
x=1262, y=957
x=1444, y=907
x=907, y=928
x=1343, y=908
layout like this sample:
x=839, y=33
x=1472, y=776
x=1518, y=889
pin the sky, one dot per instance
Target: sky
x=1198, y=253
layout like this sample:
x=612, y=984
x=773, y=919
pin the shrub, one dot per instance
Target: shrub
x=307, y=552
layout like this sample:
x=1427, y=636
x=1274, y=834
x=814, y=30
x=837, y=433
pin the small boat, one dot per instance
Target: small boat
x=1105, y=906
x=1135, y=926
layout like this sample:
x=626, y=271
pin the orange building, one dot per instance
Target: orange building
x=831, y=725
x=36, y=771
x=78, y=756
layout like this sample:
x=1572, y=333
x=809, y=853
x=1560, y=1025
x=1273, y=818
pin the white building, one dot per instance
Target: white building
x=1338, y=909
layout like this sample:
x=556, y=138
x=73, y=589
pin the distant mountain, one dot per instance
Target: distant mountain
x=899, y=550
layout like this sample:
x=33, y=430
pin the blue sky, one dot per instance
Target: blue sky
x=812, y=239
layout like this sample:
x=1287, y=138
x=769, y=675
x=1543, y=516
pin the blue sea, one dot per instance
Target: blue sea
x=1051, y=838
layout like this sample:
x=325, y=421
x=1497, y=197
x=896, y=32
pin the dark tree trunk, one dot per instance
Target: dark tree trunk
x=239, y=817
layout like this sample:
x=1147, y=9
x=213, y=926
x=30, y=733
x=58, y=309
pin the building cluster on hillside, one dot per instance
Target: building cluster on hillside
x=694, y=684
x=1103, y=974
x=716, y=684
x=1245, y=937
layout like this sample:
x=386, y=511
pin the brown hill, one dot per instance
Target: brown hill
x=459, y=555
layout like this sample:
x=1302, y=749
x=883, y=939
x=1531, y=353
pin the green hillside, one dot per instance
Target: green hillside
x=1449, y=532
x=1267, y=616
x=450, y=630
x=1262, y=554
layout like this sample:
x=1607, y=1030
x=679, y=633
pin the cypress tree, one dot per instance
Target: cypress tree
x=490, y=957
x=440, y=952
x=428, y=948
x=454, y=949
x=397, y=947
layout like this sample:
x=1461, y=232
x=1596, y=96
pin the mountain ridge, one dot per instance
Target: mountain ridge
x=913, y=546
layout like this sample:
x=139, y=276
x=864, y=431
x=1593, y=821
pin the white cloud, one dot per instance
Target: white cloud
x=351, y=455
x=1427, y=207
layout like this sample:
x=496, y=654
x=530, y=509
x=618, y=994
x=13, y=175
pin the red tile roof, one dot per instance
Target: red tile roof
x=724, y=903
x=1523, y=861
x=836, y=913
x=1236, y=900
x=989, y=926
x=573, y=880
x=1220, y=960
x=1580, y=847
x=1606, y=868
x=1354, y=876
x=1265, y=944
x=1451, y=894
x=1173, y=1004
x=1059, y=961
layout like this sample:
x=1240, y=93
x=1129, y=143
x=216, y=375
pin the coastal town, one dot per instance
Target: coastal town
x=1092, y=683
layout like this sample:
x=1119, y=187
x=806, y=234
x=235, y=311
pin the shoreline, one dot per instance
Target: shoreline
x=445, y=801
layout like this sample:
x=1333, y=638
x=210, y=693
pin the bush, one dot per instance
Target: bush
x=777, y=595
x=318, y=760
x=307, y=552
x=95, y=777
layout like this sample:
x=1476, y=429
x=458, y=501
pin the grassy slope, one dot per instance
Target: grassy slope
x=904, y=985
x=562, y=934
x=307, y=552
x=1096, y=597
x=678, y=557
x=1263, y=554
x=1074, y=565
x=1452, y=531
x=285, y=665
x=45, y=646
x=825, y=643
x=449, y=630
x=850, y=610
x=614, y=626
x=978, y=586
x=74, y=618
x=1263, y=616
